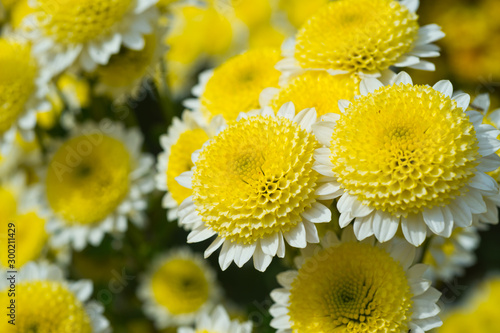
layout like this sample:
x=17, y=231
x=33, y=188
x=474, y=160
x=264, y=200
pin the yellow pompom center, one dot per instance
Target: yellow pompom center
x=180, y=285
x=353, y=288
x=356, y=35
x=180, y=161
x=255, y=178
x=236, y=85
x=17, y=81
x=72, y=22
x=317, y=89
x=88, y=178
x=34, y=299
x=404, y=148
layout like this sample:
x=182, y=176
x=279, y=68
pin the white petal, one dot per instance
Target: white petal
x=462, y=214
x=414, y=229
x=485, y=183
x=296, y=237
x=369, y=86
x=412, y=5
x=323, y=132
x=407, y=60
x=445, y=87
x=318, y=213
x=385, y=228
x=270, y=244
x=260, y=260
x=434, y=219
x=287, y=111
x=267, y=95
x=306, y=118
x=311, y=232
x=363, y=226
x=343, y=104
x=200, y=234
x=424, y=66
x=327, y=191
x=214, y=246
x=184, y=179
x=243, y=253
x=403, y=78
x=462, y=100
x=226, y=255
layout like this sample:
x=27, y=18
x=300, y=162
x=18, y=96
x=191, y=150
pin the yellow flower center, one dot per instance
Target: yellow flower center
x=356, y=35
x=67, y=313
x=181, y=286
x=180, y=161
x=80, y=21
x=404, y=148
x=30, y=238
x=317, y=89
x=17, y=81
x=129, y=65
x=236, y=85
x=255, y=178
x=88, y=178
x=350, y=288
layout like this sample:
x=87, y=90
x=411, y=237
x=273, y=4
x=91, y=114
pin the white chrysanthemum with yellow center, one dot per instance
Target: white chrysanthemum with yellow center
x=20, y=206
x=235, y=86
x=350, y=286
x=313, y=89
x=89, y=31
x=183, y=138
x=408, y=155
x=254, y=186
x=217, y=321
x=362, y=36
x=178, y=287
x=96, y=180
x=70, y=309
x=447, y=257
x=23, y=86
x=125, y=71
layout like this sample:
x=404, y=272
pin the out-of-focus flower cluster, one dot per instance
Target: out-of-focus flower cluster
x=287, y=136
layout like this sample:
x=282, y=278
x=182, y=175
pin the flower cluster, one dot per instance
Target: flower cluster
x=303, y=147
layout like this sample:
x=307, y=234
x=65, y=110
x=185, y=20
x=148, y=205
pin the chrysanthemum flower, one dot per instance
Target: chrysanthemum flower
x=178, y=287
x=89, y=31
x=350, y=286
x=23, y=86
x=183, y=138
x=235, y=86
x=46, y=302
x=408, y=155
x=217, y=321
x=95, y=180
x=362, y=36
x=254, y=186
x=123, y=74
x=20, y=205
x=447, y=257
x=316, y=89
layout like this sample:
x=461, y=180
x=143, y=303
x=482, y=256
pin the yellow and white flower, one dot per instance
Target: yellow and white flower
x=362, y=36
x=447, y=257
x=407, y=155
x=88, y=32
x=235, y=86
x=183, y=138
x=23, y=87
x=218, y=321
x=343, y=285
x=70, y=308
x=178, y=287
x=96, y=180
x=254, y=187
